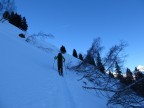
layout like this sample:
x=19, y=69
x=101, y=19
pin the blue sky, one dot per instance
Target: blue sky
x=75, y=23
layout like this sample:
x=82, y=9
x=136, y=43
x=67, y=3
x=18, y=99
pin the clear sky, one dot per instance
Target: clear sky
x=75, y=23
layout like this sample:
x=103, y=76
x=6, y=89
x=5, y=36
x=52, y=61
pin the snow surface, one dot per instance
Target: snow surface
x=29, y=77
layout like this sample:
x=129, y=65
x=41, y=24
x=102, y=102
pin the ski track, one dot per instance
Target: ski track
x=60, y=95
x=64, y=97
x=70, y=100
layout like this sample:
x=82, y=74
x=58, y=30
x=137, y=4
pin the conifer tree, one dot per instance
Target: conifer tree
x=62, y=49
x=6, y=15
x=89, y=59
x=11, y=17
x=117, y=68
x=139, y=87
x=128, y=72
x=15, y=19
x=118, y=71
x=139, y=75
x=80, y=57
x=24, y=24
x=99, y=63
x=136, y=69
x=75, y=53
x=129, y=77
x=18, y=21
x=111, y=74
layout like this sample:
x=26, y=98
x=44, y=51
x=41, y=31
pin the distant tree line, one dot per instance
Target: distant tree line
x=7, y=12
x=16, y=19
x=135, y=79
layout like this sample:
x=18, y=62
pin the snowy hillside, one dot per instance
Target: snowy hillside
x=28, y=78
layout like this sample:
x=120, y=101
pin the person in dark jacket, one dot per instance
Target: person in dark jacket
x=60, y=60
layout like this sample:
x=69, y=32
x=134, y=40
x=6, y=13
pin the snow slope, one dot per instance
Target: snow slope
x=28, y=78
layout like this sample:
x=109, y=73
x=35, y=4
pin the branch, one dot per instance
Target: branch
x=102, y=89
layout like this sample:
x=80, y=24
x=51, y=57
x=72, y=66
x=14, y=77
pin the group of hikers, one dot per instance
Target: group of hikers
x=60, y=59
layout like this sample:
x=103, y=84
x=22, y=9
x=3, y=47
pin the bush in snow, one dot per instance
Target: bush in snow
x=22, y=35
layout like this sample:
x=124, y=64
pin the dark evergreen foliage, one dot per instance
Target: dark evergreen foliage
x=75, y=53
x=111, y=74
x=16, y=20
x=129, y=77
x=62, y=49
x=117, y=68
x=24, y=24
x=139, y=87
x=136, y=69
x=118, y=71
x=6, y=15
x=139, y=75
x=99, y=63
x=11, y=18
x=81, y=56
x=90, y=60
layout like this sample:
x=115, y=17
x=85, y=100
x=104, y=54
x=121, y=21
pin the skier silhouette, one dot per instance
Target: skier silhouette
x=60, y=60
